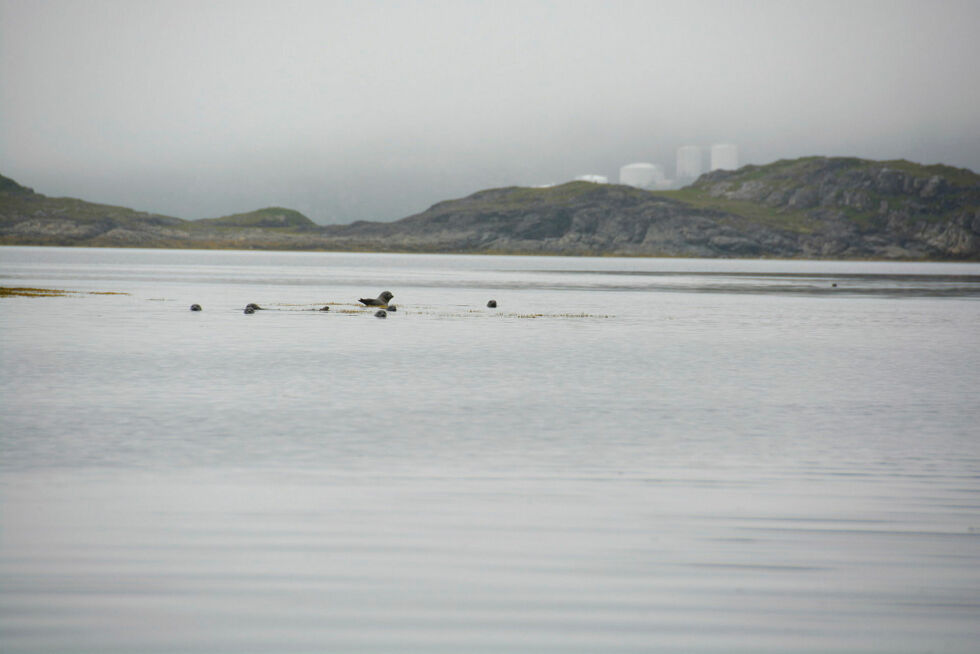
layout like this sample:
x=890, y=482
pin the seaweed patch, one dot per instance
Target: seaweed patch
x=25, y=291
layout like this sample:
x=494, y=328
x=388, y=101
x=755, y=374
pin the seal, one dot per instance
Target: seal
x=249, y=310
x=380, y=301
x=492, y=304
x=325, y=308
x=381, y=313
x=392, y=307
x=253, y=306
x=195, y=307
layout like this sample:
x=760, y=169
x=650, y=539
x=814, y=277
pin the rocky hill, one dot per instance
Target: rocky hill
x=846, y=207
x=815, y=207
x=811, y=208
x=270, y=218
x=29, y=218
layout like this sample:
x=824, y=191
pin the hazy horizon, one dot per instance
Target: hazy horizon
x=377, y=110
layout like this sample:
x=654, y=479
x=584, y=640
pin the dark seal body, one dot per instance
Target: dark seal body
x=381, y=313
x=492, y=304
x=380, y=301
x=195, y=307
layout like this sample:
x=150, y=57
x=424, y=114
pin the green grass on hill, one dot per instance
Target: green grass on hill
x=956, y=176
x=794, y=221
x=270, y=217
x=523, y=196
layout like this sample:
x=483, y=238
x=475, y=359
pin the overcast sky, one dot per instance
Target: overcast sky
x=376, y=110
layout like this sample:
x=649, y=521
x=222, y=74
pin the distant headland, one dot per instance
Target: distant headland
x=814, y=207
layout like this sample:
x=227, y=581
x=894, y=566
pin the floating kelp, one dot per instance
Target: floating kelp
x=24, y=291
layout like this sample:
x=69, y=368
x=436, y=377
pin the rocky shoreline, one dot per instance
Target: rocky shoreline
x=816, y=207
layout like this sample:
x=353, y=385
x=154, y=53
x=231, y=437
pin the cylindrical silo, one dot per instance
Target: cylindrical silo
x=689, y=163
x=724, y=156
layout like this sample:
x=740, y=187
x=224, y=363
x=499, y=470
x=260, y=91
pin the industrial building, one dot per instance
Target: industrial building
x=642, y=175
x=690, y=163
x=724, y=156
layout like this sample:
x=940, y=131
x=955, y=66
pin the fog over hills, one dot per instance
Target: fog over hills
x=377, y=110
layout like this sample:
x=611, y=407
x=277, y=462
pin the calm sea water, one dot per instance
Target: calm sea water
x=627, y=455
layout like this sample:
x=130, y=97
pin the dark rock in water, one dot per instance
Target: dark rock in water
x=392, y=307
x=195, y=307
x=249, y=309
x=253, y=306
x=324, y=309
x=834, y=284
x=492, y=304
x=380, y=301
x=381, y=313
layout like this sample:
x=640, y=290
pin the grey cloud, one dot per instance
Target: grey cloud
x=375, y=110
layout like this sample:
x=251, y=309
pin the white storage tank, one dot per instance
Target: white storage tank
x=690, y=163
x=641, y=175
x=724, y=156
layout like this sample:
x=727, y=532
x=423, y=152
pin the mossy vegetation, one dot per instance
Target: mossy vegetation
x=956, y=176
x=8, y=185
x=268, y=218
x=789, y=168
x=790, y=220
x=514, y=197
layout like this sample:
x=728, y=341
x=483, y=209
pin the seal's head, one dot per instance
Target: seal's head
x=492, y=304
x=381, y=313
x=249, y=310
x=392, y=307
x=195, y=307
x=253, y=306
x=386, y=296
